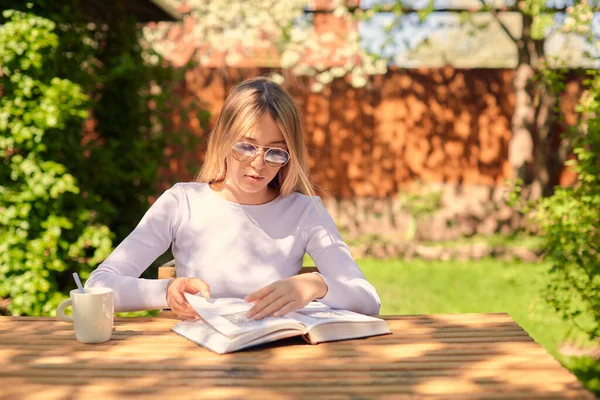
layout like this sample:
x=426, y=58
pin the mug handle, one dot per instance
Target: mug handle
x=60, y=311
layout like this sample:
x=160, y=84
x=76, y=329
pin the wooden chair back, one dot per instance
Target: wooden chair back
x=167, y=270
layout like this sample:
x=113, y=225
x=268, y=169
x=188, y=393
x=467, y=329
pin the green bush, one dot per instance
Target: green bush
x=569, y=222
x=69, y=189
x=47, y=227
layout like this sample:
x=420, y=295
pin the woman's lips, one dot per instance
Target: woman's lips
x=254, y=178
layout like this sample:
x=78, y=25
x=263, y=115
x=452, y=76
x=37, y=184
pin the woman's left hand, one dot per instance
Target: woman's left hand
x=286, y=295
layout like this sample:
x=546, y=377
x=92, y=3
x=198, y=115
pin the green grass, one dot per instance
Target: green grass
x=433, y=287
x=509, y=241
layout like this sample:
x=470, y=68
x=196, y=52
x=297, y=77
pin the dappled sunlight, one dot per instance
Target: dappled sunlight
x=519, y=377
x=239, y=393
x=425, y=355
x=445, y=385
x=156, y=387
x=298, y=353
x=512, y=361
x=481, y=379
x=400, y=351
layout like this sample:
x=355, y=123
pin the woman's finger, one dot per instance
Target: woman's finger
x=197, y=285
x=260, y=293
x=177, y=302
x=185, y=311
x=175, y=292
x=178, y=298
x=188, y=315
x=288, y=308
x=272, y=307
x=264, y=302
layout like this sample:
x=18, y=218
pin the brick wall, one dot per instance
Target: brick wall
x=432, y=125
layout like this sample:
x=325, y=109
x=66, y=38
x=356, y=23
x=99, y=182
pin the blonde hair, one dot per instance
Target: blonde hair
x=246, y=103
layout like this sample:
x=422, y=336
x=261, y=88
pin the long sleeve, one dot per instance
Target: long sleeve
x=151, y=238
x=347, y=286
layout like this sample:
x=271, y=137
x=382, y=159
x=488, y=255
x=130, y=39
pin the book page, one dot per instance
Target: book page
x=200, y=332
x=316, y=313
x=228, y=316
x=203, y=334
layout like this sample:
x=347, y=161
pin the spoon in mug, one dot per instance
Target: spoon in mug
x=78, y=282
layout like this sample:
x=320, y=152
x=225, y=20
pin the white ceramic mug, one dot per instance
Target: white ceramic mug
x=93, y=313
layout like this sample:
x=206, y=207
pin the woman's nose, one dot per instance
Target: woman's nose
x=259, y=160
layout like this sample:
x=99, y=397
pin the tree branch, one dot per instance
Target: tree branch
x=494, y=13
x=408, y=10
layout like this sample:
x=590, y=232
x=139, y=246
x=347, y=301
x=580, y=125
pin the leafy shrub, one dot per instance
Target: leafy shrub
x=569, y=222
x=47, y=228
x=419, y=202
x=82, y=138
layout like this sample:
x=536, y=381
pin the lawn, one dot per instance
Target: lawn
x=432, y=287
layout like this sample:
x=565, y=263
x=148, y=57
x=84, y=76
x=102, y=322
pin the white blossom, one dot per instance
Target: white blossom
x=221, y=28
x=316, y=87
x=277, y=78
x=324, y=77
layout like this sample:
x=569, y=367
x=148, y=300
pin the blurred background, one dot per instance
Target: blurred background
x=455, y=143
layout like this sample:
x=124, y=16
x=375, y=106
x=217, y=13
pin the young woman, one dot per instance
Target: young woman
x=243, y=228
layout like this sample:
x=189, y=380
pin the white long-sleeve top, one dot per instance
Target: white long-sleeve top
x=236, y=249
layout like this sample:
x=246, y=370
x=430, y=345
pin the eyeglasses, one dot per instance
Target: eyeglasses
x=273, y=156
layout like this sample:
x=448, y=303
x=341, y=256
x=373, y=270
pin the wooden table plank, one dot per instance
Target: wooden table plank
x=475, y=356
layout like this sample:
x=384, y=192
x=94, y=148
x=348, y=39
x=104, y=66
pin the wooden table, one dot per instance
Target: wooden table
x=462, y=356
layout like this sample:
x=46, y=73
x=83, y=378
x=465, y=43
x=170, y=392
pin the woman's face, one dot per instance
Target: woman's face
x=248, y=181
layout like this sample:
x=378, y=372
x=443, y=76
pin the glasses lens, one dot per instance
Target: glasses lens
x=276, y=157
x=243, y=151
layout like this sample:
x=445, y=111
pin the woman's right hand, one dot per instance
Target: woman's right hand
x=176, y=299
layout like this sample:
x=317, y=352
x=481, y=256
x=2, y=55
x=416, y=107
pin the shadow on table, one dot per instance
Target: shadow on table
x=425, y=356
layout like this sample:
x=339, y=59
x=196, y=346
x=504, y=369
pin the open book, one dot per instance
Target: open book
x=223, y=327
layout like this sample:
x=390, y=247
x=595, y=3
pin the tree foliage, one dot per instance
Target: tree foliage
x=568, y=221
x=46, y=229
x=82, y=137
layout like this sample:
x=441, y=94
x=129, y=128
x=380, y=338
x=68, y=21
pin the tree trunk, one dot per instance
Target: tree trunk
x=547, y=155
x=533, y=152
x=520, y=148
